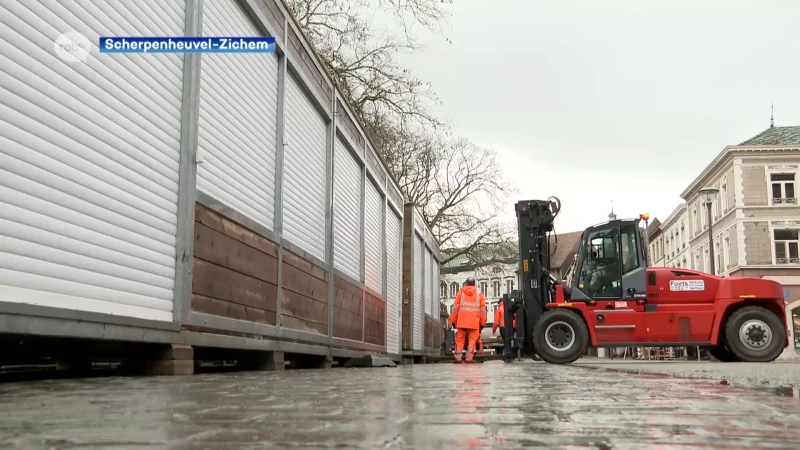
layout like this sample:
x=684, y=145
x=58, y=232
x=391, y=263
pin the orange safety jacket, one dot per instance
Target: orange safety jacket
x=500, y=318
x=469, y=309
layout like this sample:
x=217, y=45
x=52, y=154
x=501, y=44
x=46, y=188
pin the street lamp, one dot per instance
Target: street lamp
x=709, y=194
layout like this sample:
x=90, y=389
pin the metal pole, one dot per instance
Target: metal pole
x=710, y=240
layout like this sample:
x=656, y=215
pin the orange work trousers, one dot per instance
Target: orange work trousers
x=468, y=337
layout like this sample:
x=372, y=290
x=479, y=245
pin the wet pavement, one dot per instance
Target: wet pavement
x=778, y=376
x=436, y=406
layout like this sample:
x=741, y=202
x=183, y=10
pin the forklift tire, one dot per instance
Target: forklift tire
x=755, y=334
x=560, y=336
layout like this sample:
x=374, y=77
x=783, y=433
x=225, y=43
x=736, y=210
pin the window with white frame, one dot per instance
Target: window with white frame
x=496, y=288
x=727, y=246
x=714, y=210
x=485, y=287
x=696, y=221
x=704, y=215
x=443, y=290
x=717, y=258
x=723, y=197
x=453, y=289
x=787, y=243
x=683, y=235
x=509, y=286
x=697, y=265
x=706, y=262
x=783, y=188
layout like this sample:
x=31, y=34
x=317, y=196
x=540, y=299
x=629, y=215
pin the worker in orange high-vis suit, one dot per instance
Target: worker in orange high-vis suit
x=468, y=316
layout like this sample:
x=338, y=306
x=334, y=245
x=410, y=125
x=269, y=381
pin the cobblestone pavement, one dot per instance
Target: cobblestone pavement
x=438, y=406
x=780, y=376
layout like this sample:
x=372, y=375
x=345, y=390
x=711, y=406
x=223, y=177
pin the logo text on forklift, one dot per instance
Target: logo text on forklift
x=687, y=285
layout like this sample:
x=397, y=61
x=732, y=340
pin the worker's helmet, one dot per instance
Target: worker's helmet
x=470, y=281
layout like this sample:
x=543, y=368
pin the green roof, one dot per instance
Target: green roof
x=776, y=136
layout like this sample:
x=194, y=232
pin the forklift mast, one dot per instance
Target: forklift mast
x=535, y=222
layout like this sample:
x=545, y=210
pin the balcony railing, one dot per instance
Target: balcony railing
x=784, y=201
x=787, y=260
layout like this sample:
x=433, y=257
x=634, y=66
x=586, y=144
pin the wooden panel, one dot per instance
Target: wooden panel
x=308, y=67
x=348, y=310
x=350, y=128
x=230, y=228
x=273, y=14
x=235, y=271
x=218, y=282
x=375, y=166
x=395, y=195
x=304, y=303
x=222, y=250
x=374, y=319
x=305, y=266
x=230, y=310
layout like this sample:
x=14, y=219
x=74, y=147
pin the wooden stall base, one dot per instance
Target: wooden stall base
x=348, y=310
x=304, y=295
x=235, y=271
x=174, y=359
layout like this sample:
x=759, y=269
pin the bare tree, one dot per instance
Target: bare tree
x=460, y=191
x=458, y=186
x=364, y=63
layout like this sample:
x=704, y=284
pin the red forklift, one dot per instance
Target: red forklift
x=616, y=299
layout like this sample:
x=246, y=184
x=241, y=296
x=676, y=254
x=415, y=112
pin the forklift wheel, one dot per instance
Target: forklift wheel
x=560, y=336
x=755, y=334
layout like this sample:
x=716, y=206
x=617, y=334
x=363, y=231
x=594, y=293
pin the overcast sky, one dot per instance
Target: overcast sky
x=594, y=101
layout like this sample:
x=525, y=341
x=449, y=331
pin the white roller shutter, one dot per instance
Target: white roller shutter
x=394, y=274
x=373, y=238
x=428, y=283
x=238, y=110
x=416, y=301
x=304, y=175
x=89, y=155
x=346, y=211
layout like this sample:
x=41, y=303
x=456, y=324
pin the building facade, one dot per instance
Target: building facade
x=675, y=233
x=755, y=217
x=655, y=238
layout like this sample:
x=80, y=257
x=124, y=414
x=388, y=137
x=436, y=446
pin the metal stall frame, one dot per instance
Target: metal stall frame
x=30, y=319
x=413, y=228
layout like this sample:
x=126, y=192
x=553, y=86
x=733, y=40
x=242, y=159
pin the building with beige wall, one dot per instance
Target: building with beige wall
x=676, y=238
x=655, y=238
x=756, y=215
